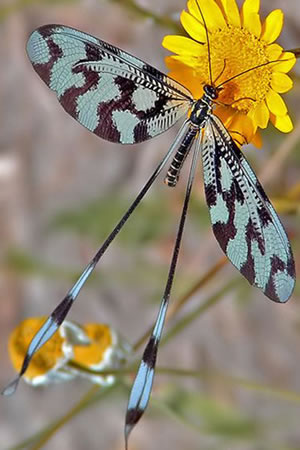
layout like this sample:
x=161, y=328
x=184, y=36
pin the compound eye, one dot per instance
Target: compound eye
x=211, y=91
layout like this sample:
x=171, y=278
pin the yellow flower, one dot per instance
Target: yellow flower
x=73, y=351
x=46, y=364
x=238, y=42
x=106, y=350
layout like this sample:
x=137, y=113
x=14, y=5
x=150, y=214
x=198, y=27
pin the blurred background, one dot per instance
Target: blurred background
x=62, y=190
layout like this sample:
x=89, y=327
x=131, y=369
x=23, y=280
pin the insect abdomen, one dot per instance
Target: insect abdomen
x=180, y=156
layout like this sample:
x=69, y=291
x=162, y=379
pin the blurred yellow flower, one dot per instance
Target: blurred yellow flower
x=238, y=42
x=73, y=351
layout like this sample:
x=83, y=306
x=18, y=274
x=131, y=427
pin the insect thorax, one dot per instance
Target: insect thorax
x=200, y=113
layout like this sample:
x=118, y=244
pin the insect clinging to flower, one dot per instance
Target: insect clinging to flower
x=225, y=81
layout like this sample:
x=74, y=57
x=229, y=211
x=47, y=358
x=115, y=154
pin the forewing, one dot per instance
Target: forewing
x=113, y=94
x=243, y=219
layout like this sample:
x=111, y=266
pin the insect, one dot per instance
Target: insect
x=122, y=99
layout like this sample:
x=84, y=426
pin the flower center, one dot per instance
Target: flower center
x=233, y=51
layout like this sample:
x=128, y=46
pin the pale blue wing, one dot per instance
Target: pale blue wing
x=244, y=221
x=113, y=94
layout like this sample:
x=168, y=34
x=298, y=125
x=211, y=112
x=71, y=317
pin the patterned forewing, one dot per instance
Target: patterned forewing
x=113, y=94
x=243, y=219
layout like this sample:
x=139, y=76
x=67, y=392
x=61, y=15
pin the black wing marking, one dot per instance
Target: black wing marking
x=113, y=94
x=243, y=218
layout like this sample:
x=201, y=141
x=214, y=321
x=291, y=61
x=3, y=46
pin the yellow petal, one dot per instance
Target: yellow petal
x=273, y=52
x=221, y=5
x=193, y=27
x=239, y=125
x=272, y=26
x=212, y=14
x=250, y=17
x=280, y=82
x=288, y=60
x=101, y=340
x=181, y=45
x=242, y=128
x=257, y=140
x=275, y=103
x=282, y=123
x=232, y=13
x=260, y=115
x=190, y=61
x=46, y=359
x=194, y=10
x=184, y=75
x=225, y=114
x=250, y=6
x=252, y=23
x=172, y=63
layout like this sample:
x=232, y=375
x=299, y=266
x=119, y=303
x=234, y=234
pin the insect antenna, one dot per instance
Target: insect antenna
x=220, y=86
x=208, y=44
x=221, y=73
x=142, y=386
x=250, y=70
